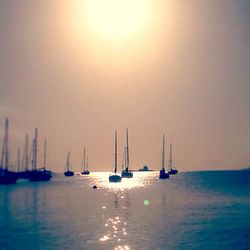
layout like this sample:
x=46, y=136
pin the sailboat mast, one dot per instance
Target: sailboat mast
x=87, y=164
x=34, y=160
x=127, y=153
x=115, y=151
x=18, y=159
x=68, y=161
x=170, y=157
x=26, y=152
x=84, y=159
x=45, y=153
x=124, y=161
x=6, y=144
x=163, y=152
x=4, y=157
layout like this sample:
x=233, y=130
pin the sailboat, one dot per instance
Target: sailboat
x=170, y=163
x=126, y=173
x=85, y=168
x=68, y=173
x=163, y=174
x=6, y=176
x=115, y=177
x=41, y=174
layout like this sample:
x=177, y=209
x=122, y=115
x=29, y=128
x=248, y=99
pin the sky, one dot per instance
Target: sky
x=184, y=71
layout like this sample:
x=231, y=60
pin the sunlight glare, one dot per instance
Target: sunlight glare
x=117, y=18
x=101, y=180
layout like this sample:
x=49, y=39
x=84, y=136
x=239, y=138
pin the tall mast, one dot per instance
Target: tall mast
x=3, y=153
x=127, y=153
x=68, y=161
x=170, y=157
x=34, y=160
x=26, y=152
x=82, y=162
x=5, y=150
x=18, y=159
x=115, y=151
x=124, y=161
x=87, y=164
x=163, y=152
x=84, y=159
x=45, y=153
x=6, y=144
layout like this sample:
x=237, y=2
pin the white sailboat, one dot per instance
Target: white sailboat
x=115, y=177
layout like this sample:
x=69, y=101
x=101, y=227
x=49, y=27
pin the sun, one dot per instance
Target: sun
x=117, y=18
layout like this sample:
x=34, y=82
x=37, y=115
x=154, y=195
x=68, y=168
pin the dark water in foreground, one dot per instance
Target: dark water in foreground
x=199, y=210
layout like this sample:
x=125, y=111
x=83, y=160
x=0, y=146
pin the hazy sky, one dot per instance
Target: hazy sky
x=185, y=73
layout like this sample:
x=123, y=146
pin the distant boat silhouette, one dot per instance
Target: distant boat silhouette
x=144, y=169
x=40, y=174
x=85, y=168
x=115, y=177
x=68, y=172
x=6, y=176
x=170, y=163
x=163, y=174
x=126, y=173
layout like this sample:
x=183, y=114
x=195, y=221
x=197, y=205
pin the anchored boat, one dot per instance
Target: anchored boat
x=68, y=172
x=125, y=172
x=170, y=163
x=163, y=174
x=115, y=177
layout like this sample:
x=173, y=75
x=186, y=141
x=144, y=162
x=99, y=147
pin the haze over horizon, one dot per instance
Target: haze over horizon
x=184, y=72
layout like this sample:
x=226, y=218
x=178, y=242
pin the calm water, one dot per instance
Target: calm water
x=199, y=210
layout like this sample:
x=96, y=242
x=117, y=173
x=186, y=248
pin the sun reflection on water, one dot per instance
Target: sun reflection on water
x=116, y=224
x=116, y=230
x=100, y=179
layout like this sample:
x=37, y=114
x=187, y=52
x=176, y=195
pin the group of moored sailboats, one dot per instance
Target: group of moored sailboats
x=10, y=177
x=126, y=173
x=68, y=172
x=163, y=173
x=84, y=166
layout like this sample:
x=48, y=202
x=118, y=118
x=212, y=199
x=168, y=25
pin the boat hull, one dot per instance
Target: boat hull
x=37, y=175
x=7, y=177
x=163, y=174
x=85, y=172
x=173, y=171
x=115, y=178
x=127, y=174
x=68, y=173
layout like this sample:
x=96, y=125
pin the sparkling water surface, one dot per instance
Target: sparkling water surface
x=195, y=210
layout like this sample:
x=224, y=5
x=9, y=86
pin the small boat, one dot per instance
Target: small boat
x=144, y=169
x=115, y=177
x=68, y=172
x=6, y=176
x=170, y=163
x=125, y=172
x=85, y=168
x=163, y=174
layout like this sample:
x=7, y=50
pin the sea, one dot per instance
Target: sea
x=191, y=210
